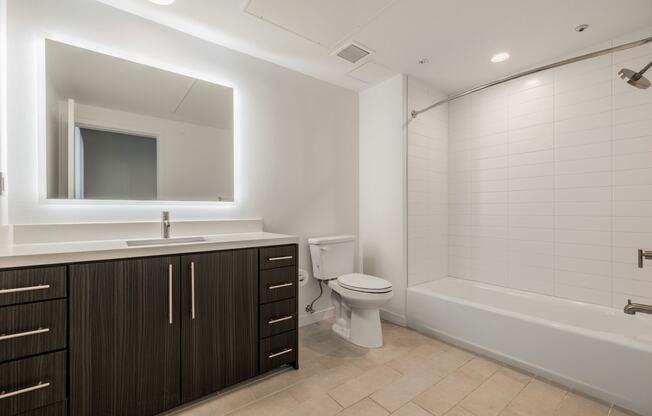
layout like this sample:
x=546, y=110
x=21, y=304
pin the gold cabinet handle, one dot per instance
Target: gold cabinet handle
x=280, y=258
x=276, y=354
x=285, y=318
x=4, y=337
x=279, y=286
x=6, y=395
x=24, y=289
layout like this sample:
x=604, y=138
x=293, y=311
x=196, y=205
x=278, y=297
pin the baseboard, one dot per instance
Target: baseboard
x=393, y=317
x=319, y=315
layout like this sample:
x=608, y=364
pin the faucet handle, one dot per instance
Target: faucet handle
x=629, y=301
x=643, y=255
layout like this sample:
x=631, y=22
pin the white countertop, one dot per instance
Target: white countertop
x=20, y=255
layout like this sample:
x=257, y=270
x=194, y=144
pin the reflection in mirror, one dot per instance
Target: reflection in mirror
x=119, y=130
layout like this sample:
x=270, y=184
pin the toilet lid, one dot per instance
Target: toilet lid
x=364, y=283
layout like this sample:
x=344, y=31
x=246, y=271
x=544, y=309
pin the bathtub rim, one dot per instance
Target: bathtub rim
x=605, y=336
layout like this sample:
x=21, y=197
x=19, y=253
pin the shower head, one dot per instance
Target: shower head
x=636, y=79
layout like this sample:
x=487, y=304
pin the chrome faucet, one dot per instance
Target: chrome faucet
x=165, y=224
x=632, y=308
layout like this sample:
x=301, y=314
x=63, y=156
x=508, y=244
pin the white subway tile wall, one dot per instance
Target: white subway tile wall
x=427, y=186
x=550, y=182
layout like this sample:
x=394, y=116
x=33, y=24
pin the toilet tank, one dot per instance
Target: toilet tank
x=332, y=256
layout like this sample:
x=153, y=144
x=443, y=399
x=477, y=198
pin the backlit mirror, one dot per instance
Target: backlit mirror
x=119, y=130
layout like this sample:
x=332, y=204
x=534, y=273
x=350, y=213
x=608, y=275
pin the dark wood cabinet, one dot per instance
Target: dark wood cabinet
x=32, y=328
x=124, y=337
x=31, y=383
x=219, y=321
x=140, y=336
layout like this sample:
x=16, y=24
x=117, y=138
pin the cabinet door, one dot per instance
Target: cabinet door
x=124, y=337
x=219, y=340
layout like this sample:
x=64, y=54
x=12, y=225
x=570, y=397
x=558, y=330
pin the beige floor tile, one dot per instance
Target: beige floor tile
x=444, y=395
x=414, y=359
x=459, y=411
x=516, y=374
x=538, y=398
x=450, y=360
x=386, y=354
x=366, y=407
x=486, y=368
x=579, y=405
x=493, y=395
x=274, y=405
x=362, y=386
x=323, y=382
x=322, y=405
x=411, y=409
x=284, y=380
x=347, y=355
x=222, y=404
x=307, y=354
x=411, y=375
x=402, y=390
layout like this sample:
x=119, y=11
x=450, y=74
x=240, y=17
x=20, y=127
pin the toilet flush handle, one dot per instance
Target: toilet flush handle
x=324, y=248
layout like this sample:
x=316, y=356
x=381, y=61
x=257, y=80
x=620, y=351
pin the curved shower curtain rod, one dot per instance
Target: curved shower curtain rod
x=622, y=47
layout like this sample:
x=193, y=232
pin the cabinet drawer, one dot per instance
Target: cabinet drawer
x=278, y=317
x=32, y=383
x=281, y=256
x=57, y=409
x=32, y=329
x=278, y=284
x=30, y=285
x=278, y=350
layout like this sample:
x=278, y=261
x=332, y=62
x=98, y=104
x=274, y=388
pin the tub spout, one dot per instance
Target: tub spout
x=633, y=308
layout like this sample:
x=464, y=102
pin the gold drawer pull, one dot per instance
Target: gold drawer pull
x=4, y=337
x=280, y=286
x=39, y=386
x=279, y=258
x=276, y=354
x=285, y=318
x=24, y=289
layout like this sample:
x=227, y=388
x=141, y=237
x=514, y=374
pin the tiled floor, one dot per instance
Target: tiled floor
x=412, y=375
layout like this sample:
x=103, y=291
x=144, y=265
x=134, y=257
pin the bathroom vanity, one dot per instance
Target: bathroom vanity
x=142, y=334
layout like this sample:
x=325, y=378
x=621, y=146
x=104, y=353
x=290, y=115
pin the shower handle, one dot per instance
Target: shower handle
x=643, y=255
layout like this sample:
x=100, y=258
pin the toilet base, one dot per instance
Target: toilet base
x=358, y=326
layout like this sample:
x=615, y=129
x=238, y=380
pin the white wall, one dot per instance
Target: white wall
x=551, y=182
x=195, y=163
x=427, y=185
x=3, y=111
x=295, y=137
x=382, y=187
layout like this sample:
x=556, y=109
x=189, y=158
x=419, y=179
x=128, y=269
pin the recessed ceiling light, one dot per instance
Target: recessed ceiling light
x=500, y=57
x=162, y=2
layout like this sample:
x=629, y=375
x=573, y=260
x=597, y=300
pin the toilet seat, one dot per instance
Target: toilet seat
x=364, y=283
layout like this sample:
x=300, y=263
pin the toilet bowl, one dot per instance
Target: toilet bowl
x=357, y=297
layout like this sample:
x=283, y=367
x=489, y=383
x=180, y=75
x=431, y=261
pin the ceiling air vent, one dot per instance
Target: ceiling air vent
x=353, y=52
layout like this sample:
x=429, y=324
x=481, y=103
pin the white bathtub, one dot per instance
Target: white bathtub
x=597, y=350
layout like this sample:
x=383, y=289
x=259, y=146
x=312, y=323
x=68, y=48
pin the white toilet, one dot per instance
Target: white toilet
x=357, y=297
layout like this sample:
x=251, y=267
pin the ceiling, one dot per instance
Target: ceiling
x=100, y=80
x=457, y=37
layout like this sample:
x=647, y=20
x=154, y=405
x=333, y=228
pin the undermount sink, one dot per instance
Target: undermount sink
x=158, y=241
